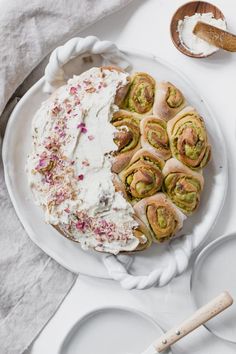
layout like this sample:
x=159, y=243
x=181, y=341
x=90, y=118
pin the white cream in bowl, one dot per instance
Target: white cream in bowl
x=190, y=41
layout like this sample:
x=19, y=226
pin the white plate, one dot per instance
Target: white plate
x=156, y=266
x=214, y=271
x=111, y=330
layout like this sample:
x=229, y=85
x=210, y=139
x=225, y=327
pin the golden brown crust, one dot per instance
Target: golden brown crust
x=145, y=126
x=154, y=136
x=112, y=68
x=182, y=185
x=160, y=215
x=143, y=234
x=119, y=185
x=169, y=100
x=143, y=176
x=140, y=96
x=127, y=139
x=121, y=91
x=173, y=165
x=188, y=138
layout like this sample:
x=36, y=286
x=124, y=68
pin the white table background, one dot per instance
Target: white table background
x=144, y=25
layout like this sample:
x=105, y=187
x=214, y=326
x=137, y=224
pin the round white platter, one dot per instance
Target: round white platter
x=113, y=330
x=158, y=265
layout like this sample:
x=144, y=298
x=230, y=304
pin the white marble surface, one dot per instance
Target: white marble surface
x=145, y=25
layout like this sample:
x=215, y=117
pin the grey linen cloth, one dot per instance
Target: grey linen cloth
x=32, y=285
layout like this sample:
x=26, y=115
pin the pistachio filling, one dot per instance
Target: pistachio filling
x=143, y=178
x=184, y=190
x=140, y=97
x=141, y=182
x=174, y=97
x=189, y=141
x=157, y=135
x=162, y=221
x=128, y=134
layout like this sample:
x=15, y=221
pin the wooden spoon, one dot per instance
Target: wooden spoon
x=202, y=315
x=215, y=36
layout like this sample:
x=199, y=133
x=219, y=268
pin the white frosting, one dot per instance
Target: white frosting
x=190, y=41
x=69, y=169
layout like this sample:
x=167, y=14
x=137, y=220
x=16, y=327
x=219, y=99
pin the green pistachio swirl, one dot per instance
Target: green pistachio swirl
x=143, y=176
x=184, y=191
x=174, y=97
x=162, y=221
x=140, y=97
x=128, y=132
x=188, y=139
x=154, y=134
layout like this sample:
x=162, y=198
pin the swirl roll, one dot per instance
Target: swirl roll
x=188, y=139
x=142, y=233
x=140, y=96
x=143, y=177
x=127, y=138
x=169, y=100
x=160, y=215
x=182, y=185
x=154, y=137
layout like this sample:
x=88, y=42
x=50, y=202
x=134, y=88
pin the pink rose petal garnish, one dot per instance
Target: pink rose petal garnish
x=73, y=90
x=83, y=130
x=80, y=225
x=81, y=125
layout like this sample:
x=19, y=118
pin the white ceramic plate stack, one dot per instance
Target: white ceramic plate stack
x=158, y=265
x=214, y=271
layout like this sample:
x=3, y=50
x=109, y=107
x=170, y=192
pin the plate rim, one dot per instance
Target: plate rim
x=34, y=88
x=99, y=309
x=202, y=254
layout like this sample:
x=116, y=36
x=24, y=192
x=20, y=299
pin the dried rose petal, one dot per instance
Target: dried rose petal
x=81, y=125
x=83, y=130
x=80, y=225
x=73, y=90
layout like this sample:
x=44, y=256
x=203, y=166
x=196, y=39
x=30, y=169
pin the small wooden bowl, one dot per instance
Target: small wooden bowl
x=189, y=9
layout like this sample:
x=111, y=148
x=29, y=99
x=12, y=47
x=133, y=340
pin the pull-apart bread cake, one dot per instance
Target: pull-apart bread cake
x=116, y=160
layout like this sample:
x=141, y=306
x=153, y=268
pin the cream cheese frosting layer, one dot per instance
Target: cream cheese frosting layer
x=69, y=168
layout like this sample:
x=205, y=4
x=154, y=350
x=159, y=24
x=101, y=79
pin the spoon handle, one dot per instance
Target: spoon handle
x=216, y=36
x=202, y=315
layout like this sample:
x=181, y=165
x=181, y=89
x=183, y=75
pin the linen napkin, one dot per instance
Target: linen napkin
x=32, y=285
